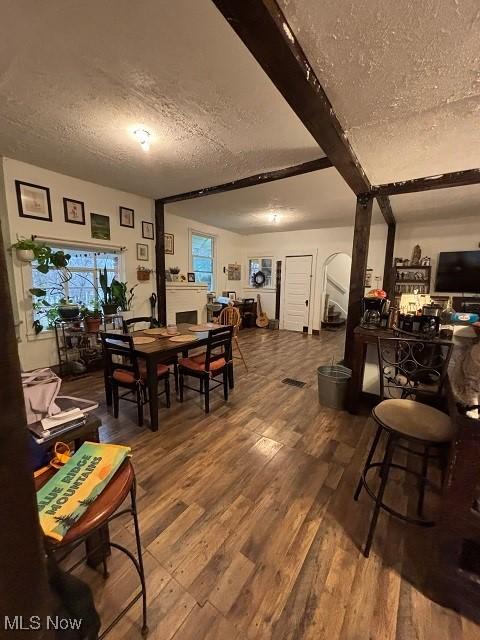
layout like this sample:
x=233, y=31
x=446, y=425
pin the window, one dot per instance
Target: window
x=83, y=285
x=203, y=258
x=260, y=264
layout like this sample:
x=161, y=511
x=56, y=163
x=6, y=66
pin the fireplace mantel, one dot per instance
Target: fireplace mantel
x=186, y=296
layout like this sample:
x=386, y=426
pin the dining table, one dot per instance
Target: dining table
x=161, y=350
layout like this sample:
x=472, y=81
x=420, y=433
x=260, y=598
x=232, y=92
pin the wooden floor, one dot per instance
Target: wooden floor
x=248, y=522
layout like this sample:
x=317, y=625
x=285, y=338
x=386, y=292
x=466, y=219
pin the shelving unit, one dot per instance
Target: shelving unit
x=408, y=279
x=75, y=344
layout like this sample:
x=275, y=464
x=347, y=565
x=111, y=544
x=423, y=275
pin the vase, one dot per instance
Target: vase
x=68, y=311
x=25, y=255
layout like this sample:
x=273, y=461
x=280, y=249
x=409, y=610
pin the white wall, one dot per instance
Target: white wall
x=228, y=249
x=457, y=234
x=320, y=243
x=40, y=351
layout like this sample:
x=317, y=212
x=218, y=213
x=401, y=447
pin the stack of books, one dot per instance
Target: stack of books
x=56, y=425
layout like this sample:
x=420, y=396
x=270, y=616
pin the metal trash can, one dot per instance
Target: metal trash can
x=333, y=382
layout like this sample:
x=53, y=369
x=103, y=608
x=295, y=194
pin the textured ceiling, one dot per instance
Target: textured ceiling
x=403, y=77
x=319, y=199
x=75, y=77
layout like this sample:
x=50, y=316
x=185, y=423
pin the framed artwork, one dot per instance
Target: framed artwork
x=232, y=295
x=234, y=271
x=33, y=201
x=190, y=277
x=368, y=278
x=127, y=217
x=142, y=251
x=74, y=211
x=100, y=226
x=147, y=230
x=169, y=243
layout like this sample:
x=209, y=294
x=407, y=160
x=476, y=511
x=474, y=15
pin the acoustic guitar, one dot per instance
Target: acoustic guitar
x=262, y=319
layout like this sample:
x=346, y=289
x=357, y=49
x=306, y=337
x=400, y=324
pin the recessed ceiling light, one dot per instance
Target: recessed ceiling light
x=275, y=218
x=143, y=137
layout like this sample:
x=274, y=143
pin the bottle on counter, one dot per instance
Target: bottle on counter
x=446, y=321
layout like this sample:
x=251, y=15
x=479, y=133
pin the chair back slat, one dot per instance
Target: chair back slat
x=121, y=346
x=411, y=368
x=230, y=316
x=129, y=325
x=219, y=345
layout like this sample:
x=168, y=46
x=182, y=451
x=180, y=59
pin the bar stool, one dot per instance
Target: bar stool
x=103, y=510
x=412, y=372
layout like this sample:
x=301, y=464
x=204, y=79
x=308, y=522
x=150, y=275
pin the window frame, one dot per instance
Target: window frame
x=84, y=270
x=194, y=232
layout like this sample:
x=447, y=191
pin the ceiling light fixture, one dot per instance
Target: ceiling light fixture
x=275, y=218
x=143, y=137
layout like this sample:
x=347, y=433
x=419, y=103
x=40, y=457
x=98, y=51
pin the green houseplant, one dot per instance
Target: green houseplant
x=25, y=249
x=92, y=317
x=110, y=303
x=123, y=296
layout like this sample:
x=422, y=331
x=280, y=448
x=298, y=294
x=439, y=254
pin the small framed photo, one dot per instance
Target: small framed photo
x=190, y=277
x=127, y=217
x=100, y=226
x=142, y=251
x=232, y=295
x=147, y=230
x=169, y=243
x=33, y=201
x=74, y=211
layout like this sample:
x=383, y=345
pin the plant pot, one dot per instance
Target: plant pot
x=92, y=325
x=110, y=309
x=175, y=277
x=68, y=311
x=25, y=255
x=143, y=276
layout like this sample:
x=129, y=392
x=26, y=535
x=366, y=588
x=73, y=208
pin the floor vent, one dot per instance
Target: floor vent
x=294, y=383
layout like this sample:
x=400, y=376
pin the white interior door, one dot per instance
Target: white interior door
x=296, y=305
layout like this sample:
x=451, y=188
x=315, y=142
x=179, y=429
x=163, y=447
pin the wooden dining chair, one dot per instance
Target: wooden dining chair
x=231, y=316
x=129, y=325
x=125, y=371
x=214, y=362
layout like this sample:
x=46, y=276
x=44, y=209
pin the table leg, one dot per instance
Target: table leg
x=356, y=382
x=108, y=387
x=152, y=383
x=231, y=382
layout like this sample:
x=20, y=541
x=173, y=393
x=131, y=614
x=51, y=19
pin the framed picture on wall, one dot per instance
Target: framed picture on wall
x=142, y=251
x=127, y=217
x=169, y=243
x=74, y=211
x=100, y=226
x=147, y=230
x=33, y=201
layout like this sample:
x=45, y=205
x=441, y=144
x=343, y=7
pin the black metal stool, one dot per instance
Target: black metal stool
x=409, y=370
x=102, y=511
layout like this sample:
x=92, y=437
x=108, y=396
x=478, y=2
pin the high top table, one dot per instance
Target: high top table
x=159, y=351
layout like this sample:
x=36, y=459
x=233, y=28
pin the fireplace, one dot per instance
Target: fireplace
x=190, y=317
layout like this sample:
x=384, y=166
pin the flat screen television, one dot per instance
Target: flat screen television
x=458, y=272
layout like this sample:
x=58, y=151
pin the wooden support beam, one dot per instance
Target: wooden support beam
x=160, y=262
x=388, y=271
x=24, y=589
x=265, y=31
x=386, y=209
x=442, y=181
x=361, y=237
x=253, y=181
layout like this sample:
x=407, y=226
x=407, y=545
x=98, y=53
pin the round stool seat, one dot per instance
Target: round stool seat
x=102, y=508
x=415, y=420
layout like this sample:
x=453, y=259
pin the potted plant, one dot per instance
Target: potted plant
x=175, y=273
x=26, y=249
x=67, y=309
x=92, y=318
x=109, y=304
x=124, y=297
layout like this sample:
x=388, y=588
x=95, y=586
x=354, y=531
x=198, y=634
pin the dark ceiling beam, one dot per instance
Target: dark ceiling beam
x=429, y=183
x=265, y=31
x=252, y=181
x=386, y=209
